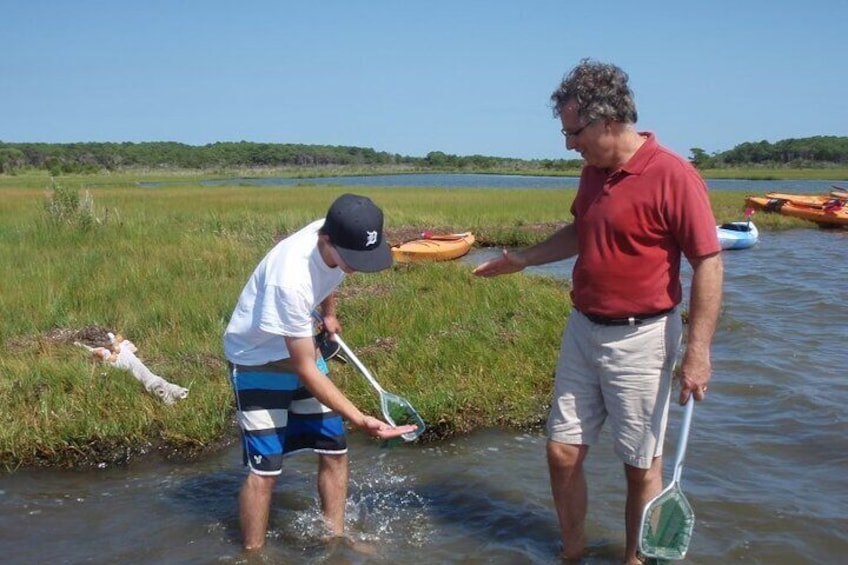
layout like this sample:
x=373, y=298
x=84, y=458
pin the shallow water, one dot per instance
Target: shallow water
x=766, y=469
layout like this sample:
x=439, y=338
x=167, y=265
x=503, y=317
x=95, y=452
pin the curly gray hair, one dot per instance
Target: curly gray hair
x=600, y=90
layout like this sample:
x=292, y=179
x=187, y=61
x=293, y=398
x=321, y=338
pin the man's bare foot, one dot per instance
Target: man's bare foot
x=361, y=547
x=570, y=558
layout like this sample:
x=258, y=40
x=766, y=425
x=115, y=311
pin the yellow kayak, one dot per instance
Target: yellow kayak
x=839, y=192
x=823, y=215
x=813, y=200
x=434, y=247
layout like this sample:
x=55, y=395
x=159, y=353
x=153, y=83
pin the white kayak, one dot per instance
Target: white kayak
x=737, y=235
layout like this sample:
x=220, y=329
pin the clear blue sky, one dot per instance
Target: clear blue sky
x=406, y=77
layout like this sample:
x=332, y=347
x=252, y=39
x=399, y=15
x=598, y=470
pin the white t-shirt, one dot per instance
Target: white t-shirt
x=278, y=299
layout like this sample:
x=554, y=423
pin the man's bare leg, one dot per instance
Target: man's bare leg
x=254, y=508
x=642, y=486
x=568, y=486
x=332, y=489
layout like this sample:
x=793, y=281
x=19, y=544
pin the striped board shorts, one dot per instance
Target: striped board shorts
x=278, y=416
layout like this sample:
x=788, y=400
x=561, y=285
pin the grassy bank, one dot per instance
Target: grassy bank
x=165, y=266
x=834, y=173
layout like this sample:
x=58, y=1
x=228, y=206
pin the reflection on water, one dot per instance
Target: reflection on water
x=765, y=469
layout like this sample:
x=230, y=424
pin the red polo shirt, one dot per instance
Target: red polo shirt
x=632, y=226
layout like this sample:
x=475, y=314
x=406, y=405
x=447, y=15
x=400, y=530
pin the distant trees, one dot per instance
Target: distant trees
x=59, y=158
x=799, y=153
x=11, y=159
x=89, y=157
x=700, y=158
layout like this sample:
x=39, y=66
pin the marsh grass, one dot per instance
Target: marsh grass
x=166, y=269
x=765, y=173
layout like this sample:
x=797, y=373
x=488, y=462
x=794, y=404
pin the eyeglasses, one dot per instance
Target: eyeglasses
x=578, y=131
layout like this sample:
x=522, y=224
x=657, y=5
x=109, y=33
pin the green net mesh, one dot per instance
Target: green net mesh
x=667, y=526
x=399, y=412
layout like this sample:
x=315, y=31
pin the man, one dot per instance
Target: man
x=284, y=401
x=638, y=209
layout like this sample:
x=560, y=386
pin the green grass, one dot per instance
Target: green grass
x=165, y=266
x=834, y=173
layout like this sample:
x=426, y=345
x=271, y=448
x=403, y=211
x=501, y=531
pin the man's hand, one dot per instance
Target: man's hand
x=695, y=372
x=505, y=264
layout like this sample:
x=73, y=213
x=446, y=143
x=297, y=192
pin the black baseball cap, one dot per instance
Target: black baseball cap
x=355, y=227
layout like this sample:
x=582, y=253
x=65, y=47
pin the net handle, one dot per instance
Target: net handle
x=684, y=438
x=353, y=358
x=384, y=395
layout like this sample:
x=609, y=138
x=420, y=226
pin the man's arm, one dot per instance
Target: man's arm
x=561, y=245
x=704, y=309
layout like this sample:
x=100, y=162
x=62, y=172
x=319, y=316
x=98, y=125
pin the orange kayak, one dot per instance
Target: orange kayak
x=814, y=200
x=823, y=215
x=435, y=247
x=839, y=192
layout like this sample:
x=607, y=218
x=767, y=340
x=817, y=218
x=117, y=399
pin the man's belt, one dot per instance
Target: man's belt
x=634, y=320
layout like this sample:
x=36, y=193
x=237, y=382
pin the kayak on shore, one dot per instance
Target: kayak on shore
x=434, y=247
x=811, y=200
x=835, y=214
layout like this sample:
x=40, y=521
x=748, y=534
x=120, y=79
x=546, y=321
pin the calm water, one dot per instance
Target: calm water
x=502, y=181
x=766, y=469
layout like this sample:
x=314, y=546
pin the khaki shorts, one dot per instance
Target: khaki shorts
x=623, y=373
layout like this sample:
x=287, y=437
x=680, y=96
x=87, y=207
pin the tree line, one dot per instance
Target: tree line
x=59, y=158
x=818, y=151
x=91, y=157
